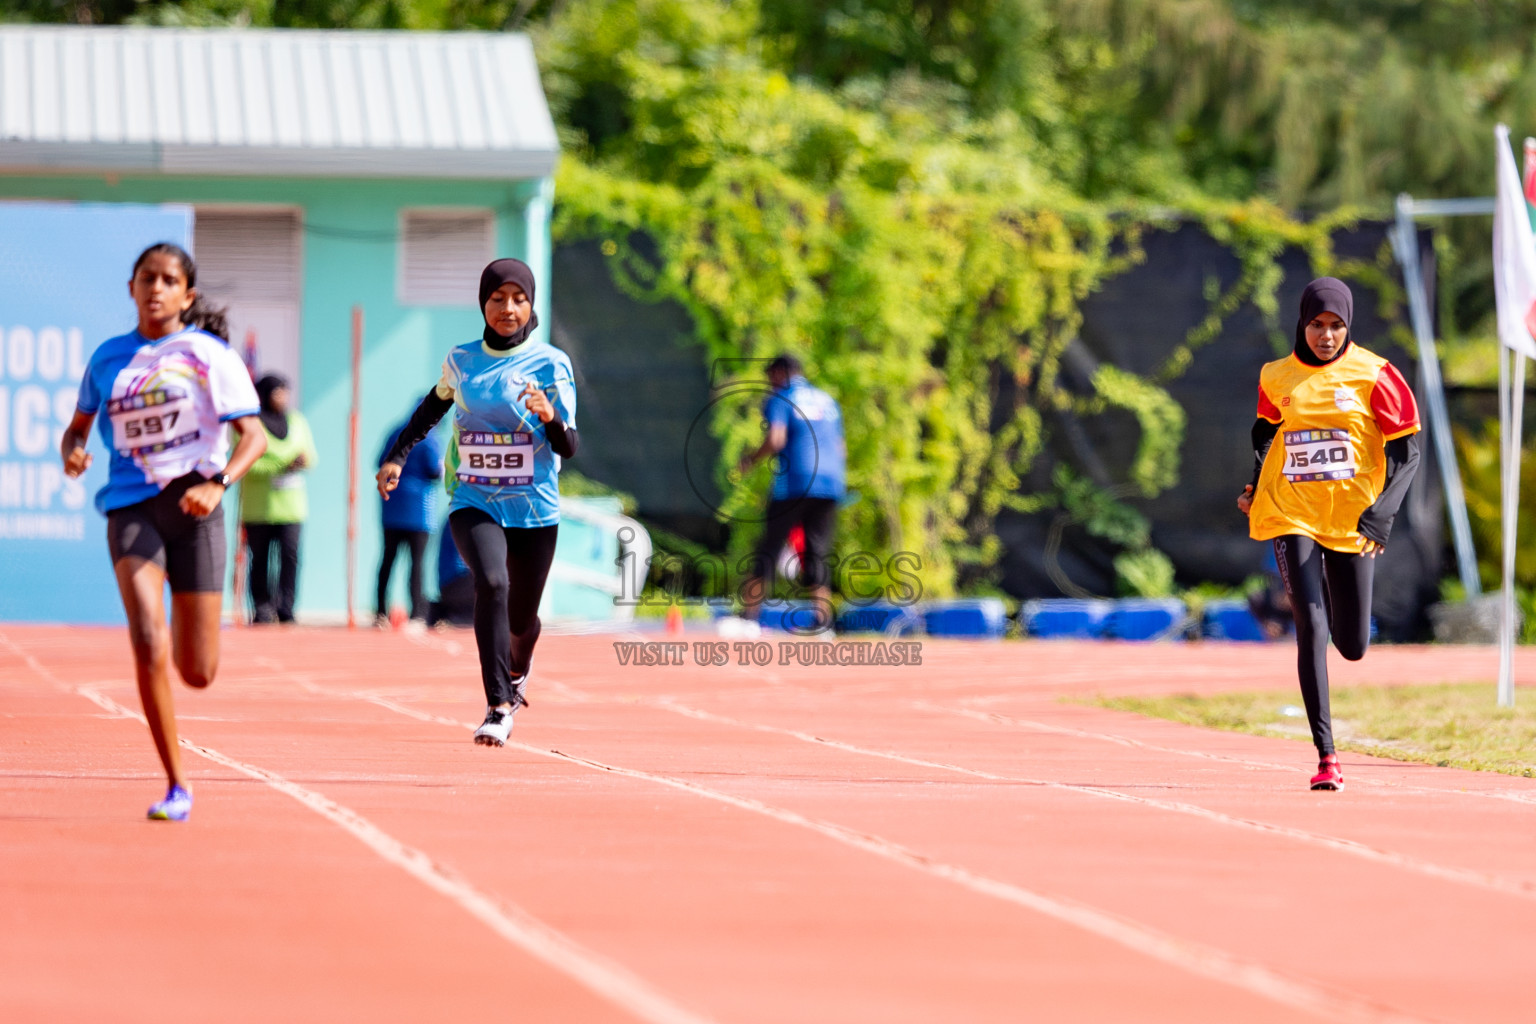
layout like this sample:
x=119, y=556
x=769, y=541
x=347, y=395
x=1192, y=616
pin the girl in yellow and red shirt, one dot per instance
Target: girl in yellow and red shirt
x=1326, y=494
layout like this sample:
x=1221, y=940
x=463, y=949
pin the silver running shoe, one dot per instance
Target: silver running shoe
x=493, y=732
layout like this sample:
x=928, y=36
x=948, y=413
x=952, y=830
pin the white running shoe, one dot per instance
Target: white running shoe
x=733, y=627
x=493, y=732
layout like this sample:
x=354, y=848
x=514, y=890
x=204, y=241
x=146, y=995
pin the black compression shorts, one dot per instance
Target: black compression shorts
x=818, y=517
x=190, y=549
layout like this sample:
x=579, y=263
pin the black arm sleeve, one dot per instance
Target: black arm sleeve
x=562, y=439
x=1263, y=435
x=1402, y=467
x=419, y=426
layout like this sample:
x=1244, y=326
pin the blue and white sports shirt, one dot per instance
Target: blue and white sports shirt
x=499, y=459
x=165, y=409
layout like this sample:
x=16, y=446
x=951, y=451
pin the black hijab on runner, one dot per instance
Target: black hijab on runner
x=495, y=275
x=275, y=422
x=1325, y=295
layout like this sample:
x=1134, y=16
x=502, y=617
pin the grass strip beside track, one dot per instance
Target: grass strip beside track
x=1452, y=725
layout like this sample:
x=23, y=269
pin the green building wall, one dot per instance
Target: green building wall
x=350, y=256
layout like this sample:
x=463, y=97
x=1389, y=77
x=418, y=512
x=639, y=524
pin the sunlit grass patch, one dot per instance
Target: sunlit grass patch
x=1455, y=725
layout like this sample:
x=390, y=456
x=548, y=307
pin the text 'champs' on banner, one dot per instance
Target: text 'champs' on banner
x=64, y=271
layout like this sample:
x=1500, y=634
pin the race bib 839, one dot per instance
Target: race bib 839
x=495, y=459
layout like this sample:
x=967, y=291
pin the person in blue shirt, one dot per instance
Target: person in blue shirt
x=805, y=432
x=170, y=391
x=408, y=516
x=514, y=402
x=455, y=604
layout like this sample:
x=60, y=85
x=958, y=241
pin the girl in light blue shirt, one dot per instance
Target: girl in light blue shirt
x=514, y=403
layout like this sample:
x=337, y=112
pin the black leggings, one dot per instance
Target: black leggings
x=273, y=603
x=506, y=616
x=416, y=540
x=1330, y=592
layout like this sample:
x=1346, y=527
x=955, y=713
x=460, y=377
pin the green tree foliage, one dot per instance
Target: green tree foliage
x=339, y=14
x=912, y=253
x=1482, y=475
x=1313, y=103
x=915, y=195
x=923, y=252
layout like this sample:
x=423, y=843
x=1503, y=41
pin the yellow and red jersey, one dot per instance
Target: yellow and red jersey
x=1327, y=463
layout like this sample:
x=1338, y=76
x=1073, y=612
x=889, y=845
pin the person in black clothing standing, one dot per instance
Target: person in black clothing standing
x=408, y=517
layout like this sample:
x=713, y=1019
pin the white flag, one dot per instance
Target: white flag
x=1514, y=256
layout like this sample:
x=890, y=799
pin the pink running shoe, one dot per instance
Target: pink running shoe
x=1329, y=775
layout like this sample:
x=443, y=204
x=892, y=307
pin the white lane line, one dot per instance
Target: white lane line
x=410, y=712
x=995, y=718
x=1062, y=730
x=1461, y=876
x=1193, y=957
x=602, y=976
x=32, y=663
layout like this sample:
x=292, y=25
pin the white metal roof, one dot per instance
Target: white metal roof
x=273, y=102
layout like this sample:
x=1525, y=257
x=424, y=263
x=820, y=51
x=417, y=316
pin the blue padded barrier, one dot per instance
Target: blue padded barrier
x=1230, y=619
x=893, y=619
x=984, y=617
x=1059, y=618
x=1160, y=618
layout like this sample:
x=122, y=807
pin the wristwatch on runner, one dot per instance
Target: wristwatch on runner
x=222, y=479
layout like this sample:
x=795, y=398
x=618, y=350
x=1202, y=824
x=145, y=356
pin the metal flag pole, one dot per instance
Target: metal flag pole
x=352, y=463
x=1510, y=452
x=1506, y=654
x=1405, y=241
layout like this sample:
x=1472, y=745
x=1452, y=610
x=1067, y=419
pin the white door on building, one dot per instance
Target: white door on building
x=249, y=260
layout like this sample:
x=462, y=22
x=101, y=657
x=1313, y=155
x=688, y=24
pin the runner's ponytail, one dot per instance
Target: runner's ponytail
x=202, y=315
x=205, y=317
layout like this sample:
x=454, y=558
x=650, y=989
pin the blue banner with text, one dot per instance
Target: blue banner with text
x=64, y=272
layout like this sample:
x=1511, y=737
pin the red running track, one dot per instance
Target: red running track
x=949, y=842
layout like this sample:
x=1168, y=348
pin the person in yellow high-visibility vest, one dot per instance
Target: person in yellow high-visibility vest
x=274, y=502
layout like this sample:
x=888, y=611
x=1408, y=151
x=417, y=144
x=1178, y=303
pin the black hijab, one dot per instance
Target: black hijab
x=495, y=275
x=275, y=422
x=1325, y=295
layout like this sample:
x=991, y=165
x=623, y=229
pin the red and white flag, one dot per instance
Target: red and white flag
x=1514, y=256
x=1530, y=175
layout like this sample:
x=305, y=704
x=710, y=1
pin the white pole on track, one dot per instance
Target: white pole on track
x=1514, y=279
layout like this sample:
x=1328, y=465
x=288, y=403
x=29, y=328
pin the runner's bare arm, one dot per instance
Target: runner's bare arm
x=203, y=498
x=251, y=446
x=72, y=448
x=773, y=443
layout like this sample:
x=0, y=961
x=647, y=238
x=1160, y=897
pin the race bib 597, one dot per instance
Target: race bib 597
x=153, y=421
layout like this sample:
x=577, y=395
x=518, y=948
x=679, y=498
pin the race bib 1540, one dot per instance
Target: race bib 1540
x=495, y=459
x=1318, y=455
x=151, y=422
